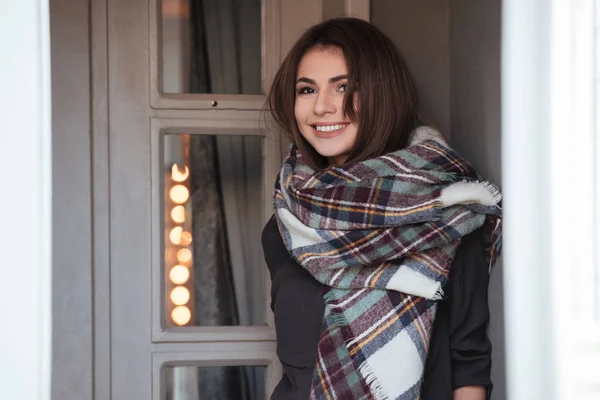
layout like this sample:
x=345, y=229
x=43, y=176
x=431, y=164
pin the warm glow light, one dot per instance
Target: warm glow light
x=181, y=315
x=178, y=214
x=180, y=295
x=179, y=194
x=184, y=256
x=186, y=239
x=177, y=175
x=179, y=274
x=175, y=235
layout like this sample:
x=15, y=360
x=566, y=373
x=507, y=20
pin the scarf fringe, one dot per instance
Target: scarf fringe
x=371, y=379
x=470, y=192
x=439, y=294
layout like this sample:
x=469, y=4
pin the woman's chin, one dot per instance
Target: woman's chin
x=334, y=157
x=330, y=153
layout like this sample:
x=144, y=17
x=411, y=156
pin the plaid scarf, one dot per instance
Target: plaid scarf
x=381, y=235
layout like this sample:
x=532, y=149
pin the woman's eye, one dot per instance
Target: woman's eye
x=342, y=88
x=306, y=90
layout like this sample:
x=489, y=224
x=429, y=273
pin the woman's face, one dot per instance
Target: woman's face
x=320, y=89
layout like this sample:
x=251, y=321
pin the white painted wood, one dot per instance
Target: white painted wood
x=26, y=212
x=207, y=101
x=358, y=9
x=100, y=201
x=72, y=191
x=213, y=334
x=221, y=357
x=215, y=347
x=129, y=191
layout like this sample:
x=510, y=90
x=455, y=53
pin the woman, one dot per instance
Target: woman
x=370, y=210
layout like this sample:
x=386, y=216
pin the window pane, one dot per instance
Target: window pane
x=211, y=46
x=208, y=383
x=214, y=269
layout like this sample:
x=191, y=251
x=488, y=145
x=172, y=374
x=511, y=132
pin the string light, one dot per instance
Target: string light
x=181, y=315
x=179, y=274
x=186, y=239
x=179, y=194
x=184, y=256
x=179, y=176
x=180, y=295
x=178, y=214
x=175, y=235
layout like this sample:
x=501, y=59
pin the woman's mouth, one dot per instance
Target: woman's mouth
x=329, y=131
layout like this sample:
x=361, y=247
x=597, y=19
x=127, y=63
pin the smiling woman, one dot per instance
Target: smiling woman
x=333, y=70
x=367, y=198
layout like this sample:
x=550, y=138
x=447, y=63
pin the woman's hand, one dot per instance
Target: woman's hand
x=470, y=393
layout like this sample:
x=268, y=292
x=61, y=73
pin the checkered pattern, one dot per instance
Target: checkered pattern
x=377, y=235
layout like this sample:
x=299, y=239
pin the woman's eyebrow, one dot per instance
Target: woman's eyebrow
x=306, y=80
x=313, y=82
x=338, y=78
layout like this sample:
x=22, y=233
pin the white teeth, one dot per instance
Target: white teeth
x=330, y=128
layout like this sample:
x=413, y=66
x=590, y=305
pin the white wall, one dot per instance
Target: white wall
x=420, y=30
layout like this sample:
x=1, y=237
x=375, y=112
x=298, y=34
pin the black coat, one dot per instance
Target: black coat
x=459, y=353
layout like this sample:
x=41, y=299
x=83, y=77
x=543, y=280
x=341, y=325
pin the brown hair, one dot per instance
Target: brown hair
x=377, y=72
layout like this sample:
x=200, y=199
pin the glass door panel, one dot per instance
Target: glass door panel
x=212, y=214
x=243, y=382
x=211, y=46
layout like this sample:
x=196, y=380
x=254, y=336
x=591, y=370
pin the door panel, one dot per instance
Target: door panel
x=130, y=212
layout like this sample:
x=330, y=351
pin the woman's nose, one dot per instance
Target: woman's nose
x=324, y=104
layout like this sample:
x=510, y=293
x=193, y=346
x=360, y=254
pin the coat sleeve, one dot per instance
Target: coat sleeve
x=298, y=306
x=470, y=347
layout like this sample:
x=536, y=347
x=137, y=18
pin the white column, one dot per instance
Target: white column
x=526, y=189
x=550, y=111
x=25, y=201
